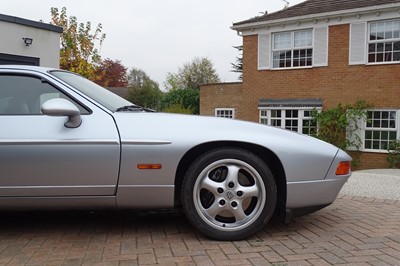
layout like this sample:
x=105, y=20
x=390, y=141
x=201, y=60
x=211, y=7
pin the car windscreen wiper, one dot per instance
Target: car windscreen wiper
x=134, y=108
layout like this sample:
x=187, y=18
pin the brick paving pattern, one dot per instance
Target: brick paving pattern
x=352, y=231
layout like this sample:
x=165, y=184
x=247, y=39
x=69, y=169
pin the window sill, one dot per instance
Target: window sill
x=292, y=68
x=383, y=63
x=375, y=151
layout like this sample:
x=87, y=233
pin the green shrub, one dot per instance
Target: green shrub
x=177, y=109
x=394, y=154
x=340, y=126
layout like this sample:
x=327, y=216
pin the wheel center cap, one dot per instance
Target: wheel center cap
x=229, y=195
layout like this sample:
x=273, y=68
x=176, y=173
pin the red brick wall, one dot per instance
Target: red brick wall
x=370, y=160
x=221, y=95
x=337, y=83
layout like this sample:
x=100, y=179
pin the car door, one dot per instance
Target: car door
x=39, y=155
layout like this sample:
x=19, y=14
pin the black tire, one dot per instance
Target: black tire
x=229, y=194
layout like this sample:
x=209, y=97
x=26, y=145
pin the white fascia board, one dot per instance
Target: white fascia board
x=394, y=7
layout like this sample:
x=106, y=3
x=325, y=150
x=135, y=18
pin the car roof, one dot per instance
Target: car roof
x=26, y=67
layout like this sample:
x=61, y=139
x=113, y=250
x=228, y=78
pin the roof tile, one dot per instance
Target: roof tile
x=311, y=7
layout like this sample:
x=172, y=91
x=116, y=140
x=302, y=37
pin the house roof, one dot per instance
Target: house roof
x=312, y=7
x=290, y=102
x=30, y=23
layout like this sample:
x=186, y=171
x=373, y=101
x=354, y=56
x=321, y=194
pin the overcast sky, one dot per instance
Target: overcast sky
x=158, y=36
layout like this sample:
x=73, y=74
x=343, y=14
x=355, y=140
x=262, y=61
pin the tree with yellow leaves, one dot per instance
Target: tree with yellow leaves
x=78, y=52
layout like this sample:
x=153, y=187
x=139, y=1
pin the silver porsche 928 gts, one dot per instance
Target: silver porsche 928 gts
x=67, y=143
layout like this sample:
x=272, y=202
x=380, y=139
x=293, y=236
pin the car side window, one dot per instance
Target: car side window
x=24, y=95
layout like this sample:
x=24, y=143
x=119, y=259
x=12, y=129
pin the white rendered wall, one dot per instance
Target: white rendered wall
x=46, y=43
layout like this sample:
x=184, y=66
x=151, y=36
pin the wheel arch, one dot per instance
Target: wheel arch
x=263, y=153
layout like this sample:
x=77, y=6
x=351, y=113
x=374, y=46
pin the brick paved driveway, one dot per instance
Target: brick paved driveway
x=352, y=231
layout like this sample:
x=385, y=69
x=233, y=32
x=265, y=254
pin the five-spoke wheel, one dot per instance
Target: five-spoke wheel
x=229, y=194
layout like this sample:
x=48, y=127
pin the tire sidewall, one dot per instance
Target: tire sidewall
x=228, y=153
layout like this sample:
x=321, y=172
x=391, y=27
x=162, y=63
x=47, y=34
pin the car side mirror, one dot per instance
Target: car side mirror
x=62, y=107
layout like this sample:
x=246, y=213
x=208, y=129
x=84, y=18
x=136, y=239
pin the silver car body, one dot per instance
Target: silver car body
x=46, y=165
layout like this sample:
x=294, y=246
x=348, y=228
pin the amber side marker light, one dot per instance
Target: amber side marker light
x=149, y=166
x=343, y=168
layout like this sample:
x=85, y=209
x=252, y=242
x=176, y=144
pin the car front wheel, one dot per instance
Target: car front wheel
x=229, y=194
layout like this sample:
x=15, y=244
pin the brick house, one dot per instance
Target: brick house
x=318, y=54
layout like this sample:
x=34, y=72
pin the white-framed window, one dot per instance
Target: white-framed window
x=225, y=112
x=295, y=119
x=380, y=128
x=292, y=49
x=384, y=41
